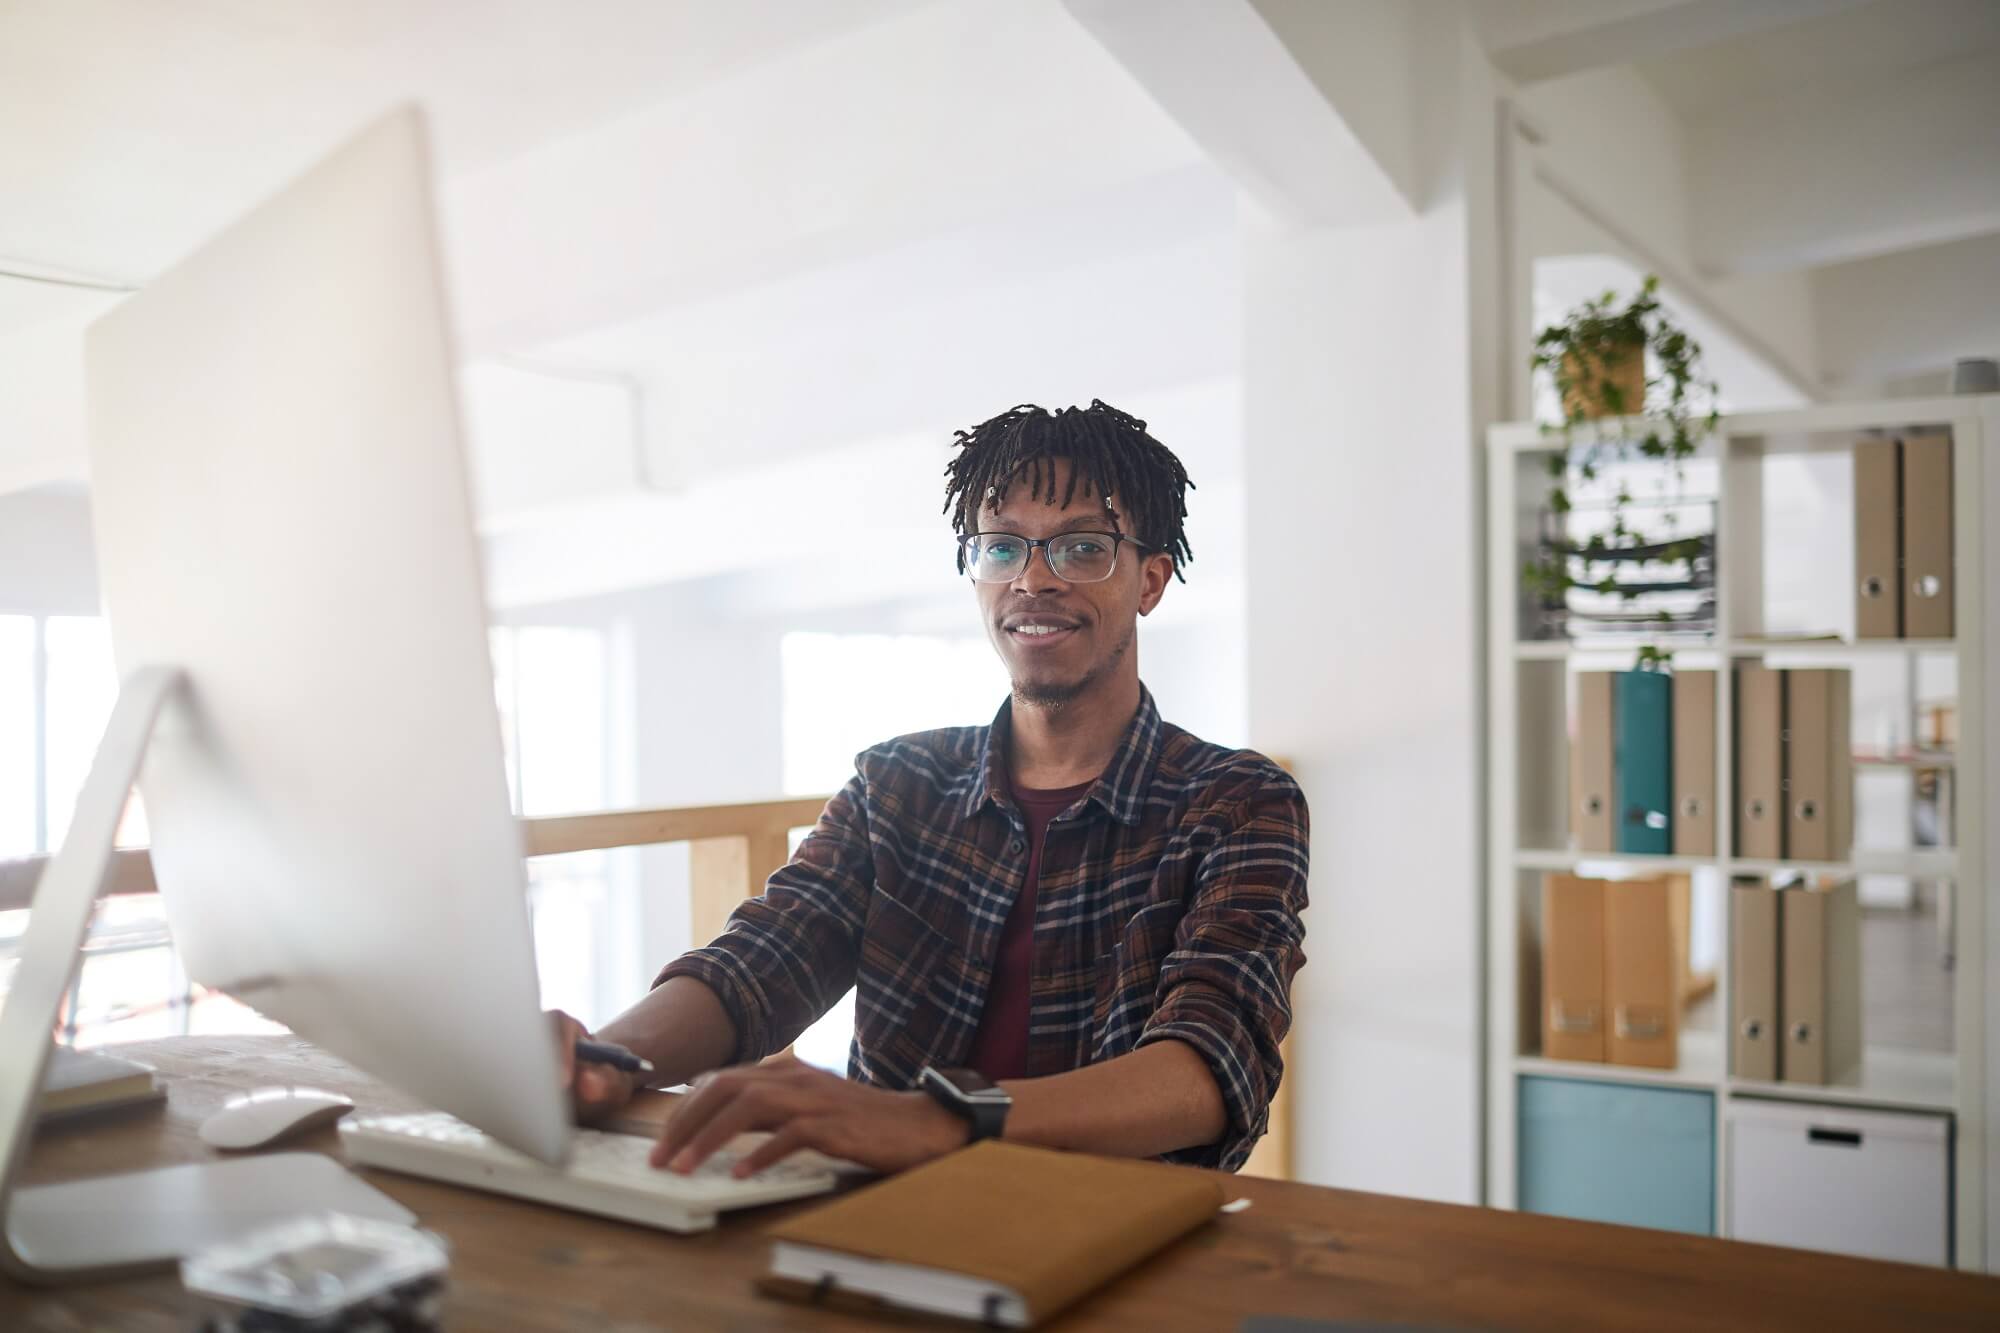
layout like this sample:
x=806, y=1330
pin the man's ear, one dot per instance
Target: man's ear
x=1154, y=575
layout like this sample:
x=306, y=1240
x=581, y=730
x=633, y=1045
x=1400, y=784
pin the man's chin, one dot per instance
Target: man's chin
x=1047, y=693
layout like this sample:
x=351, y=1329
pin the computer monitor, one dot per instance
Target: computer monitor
x=280, y=496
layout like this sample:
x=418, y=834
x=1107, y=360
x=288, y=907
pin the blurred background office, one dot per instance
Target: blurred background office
x=728, y=275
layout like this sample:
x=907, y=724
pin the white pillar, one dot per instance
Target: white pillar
x=1373, y=361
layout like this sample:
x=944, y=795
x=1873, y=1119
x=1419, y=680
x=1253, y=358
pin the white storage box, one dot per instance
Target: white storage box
x=1870, y=1183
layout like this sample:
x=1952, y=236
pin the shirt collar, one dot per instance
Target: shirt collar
x=1120, y=788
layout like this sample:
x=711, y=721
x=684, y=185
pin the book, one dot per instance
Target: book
x=79, y=1081
x=996, y=1233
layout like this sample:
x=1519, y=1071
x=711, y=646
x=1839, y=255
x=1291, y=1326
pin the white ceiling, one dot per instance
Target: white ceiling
x=131, y=129
x=1862, y=48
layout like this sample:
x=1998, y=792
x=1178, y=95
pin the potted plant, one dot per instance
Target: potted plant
x=1634, y=364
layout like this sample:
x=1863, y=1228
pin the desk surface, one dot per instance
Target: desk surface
x=1299, y=1250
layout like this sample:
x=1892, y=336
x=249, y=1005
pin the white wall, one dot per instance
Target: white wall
x=47, y=563
x=1368, y=366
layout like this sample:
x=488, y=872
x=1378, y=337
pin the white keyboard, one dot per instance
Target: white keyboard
x=607, y=1174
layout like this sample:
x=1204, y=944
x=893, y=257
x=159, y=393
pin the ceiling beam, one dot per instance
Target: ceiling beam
x=1310, y=110
x=1831, y=174
x=1532, y=41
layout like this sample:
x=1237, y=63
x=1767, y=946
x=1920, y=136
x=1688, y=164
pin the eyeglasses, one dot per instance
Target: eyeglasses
x=1075, y=557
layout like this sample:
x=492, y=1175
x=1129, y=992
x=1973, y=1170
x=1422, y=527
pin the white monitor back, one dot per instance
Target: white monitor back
x=282, y=510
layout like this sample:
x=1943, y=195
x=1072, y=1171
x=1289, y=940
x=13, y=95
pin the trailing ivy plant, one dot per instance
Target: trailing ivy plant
x=1677, y=408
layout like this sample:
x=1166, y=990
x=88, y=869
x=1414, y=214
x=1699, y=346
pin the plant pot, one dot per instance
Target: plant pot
x=1619, y=366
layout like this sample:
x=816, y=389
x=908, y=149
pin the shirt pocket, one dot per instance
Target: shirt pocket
x=908, y=1009
x=1128, y=976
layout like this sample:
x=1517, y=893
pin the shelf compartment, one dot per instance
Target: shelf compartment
x=1891, y=1076
x=1700, y=1066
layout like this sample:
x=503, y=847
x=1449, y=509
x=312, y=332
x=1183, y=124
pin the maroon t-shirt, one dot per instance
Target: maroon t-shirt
x=1000, y=1047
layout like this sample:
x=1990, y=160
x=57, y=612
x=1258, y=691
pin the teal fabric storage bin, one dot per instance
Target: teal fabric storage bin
x=1617, y=1152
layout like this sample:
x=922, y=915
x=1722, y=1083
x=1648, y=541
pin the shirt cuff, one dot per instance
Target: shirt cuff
x=736, y=987
x=1209, y=1023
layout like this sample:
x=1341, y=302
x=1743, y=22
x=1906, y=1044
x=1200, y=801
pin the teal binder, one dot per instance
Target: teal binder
x=1644, y=766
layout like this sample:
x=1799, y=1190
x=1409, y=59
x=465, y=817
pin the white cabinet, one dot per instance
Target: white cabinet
x=1871, y=1183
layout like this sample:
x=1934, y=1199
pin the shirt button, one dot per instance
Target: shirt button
x=1016, y=847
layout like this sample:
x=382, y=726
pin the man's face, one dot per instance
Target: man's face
x=1058, y=639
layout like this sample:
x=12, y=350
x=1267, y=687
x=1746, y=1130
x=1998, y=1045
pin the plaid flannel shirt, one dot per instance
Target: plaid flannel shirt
x=1169, y=907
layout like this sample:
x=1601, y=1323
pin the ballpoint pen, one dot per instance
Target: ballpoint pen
x=611, y=1053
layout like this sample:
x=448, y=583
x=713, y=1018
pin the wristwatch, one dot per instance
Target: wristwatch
x=970, y=1096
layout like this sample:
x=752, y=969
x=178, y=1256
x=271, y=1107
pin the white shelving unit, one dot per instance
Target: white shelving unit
x=1528, y=789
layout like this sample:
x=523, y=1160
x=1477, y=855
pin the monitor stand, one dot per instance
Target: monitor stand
x=139, y=1220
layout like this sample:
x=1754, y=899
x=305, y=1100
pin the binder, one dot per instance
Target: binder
x=1760, y=715
x=1819, y=765
x=1878, y=540
x=998, y=1234
x=1753, y=979
x=1642, y=775
x=1694, y=763
x=1927, y=537
x=1820, y=984
x=1644, y=958
x=1572, y=968
x=1590, y=768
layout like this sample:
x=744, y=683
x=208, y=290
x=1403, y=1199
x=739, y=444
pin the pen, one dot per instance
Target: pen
x=611, y=1053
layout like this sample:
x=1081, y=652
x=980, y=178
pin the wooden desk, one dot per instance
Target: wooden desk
x=1299, y=1250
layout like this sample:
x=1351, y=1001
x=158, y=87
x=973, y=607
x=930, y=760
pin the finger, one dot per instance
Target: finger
x=565, y=1044
x=710, y=1093
x=756, y=1106
x=596, y=1085
x=804, y=1133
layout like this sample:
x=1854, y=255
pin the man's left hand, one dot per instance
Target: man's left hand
x=804, y=1107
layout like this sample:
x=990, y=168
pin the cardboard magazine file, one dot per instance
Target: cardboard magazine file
x=1572, y=968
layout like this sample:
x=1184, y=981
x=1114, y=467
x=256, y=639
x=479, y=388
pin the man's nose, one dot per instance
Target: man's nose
x=1038, y=576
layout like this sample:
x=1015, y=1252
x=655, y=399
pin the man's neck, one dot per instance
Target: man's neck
x=1069, y=745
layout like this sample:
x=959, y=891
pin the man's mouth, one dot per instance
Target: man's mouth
x=1039, y=630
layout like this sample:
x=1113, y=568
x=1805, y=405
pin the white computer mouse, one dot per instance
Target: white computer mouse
x=253, y=1119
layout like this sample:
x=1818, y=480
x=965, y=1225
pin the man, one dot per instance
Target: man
x=1080, y=904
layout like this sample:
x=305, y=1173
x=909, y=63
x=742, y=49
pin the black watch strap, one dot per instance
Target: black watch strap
x=970, y=1096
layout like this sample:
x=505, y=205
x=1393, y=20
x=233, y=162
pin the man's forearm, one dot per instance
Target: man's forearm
x=680, y=1026
x=1156, y=1100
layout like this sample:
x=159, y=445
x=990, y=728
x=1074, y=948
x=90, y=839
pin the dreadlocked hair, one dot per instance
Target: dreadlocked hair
x=1109, y=452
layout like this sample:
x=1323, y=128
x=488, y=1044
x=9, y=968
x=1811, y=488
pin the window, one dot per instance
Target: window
x=553, y=684
x=846, y=692
x=57, y=688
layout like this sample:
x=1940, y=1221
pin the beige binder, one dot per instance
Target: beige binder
x=1878, y=543
x=1694, y=763
x=1820, y=985
x=1760, y=720
x=1592, y=813
x=1819, y=765
x=1753, y=979
x=1643, y=964
x=1927, y=537
x=1572, y=968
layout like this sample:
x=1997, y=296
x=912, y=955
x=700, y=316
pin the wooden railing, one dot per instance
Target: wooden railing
x=733, y=850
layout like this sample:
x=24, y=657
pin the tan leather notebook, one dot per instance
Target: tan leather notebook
x=996, y=1233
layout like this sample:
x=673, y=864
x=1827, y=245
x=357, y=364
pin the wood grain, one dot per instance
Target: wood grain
x=1299, y=1250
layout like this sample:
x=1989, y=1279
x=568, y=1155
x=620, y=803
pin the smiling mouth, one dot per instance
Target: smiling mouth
x=1039, y=633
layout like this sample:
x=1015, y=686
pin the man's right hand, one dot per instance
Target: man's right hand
x=595, y=1090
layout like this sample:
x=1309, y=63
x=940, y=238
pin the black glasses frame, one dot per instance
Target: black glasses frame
x=967, y=563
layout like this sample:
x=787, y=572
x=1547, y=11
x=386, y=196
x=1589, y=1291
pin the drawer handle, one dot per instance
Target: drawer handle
x=1845, y=1138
